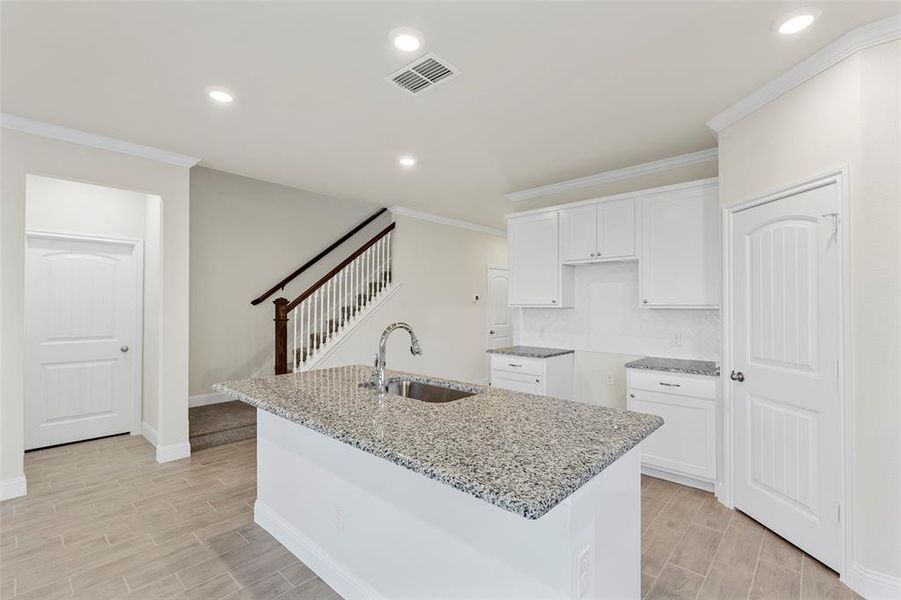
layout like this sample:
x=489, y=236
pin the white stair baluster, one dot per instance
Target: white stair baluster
x=294, y=343
x=388, y=261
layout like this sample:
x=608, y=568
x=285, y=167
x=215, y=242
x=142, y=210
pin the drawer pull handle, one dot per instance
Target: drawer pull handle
x=670, y=384
x=513, y=365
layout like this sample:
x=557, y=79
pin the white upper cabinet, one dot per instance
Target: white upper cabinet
x=680, y=248
x=536, y=276
x=598, y=232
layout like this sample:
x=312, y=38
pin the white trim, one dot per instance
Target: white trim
x=424, y=216
x=655, y=166
x=701, y=484
x=83, y=138
x=327, y=567
x=150, y=434
x=13, y=487
x=861, y=38
x=871, y=584
x=838, y=176
x=623, y=196
x=204, y=399
x=137, y=346
x=172, y=452
x=359, y=319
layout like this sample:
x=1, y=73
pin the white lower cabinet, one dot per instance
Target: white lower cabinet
x=684, y=448
x=551, y=376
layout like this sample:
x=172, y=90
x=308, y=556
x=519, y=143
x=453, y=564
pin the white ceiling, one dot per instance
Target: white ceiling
x=548, y=90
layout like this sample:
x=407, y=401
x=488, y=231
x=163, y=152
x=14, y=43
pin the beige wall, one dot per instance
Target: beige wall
x=246, y=235
x=848, y=117
x=24, y=154
x=439, y=269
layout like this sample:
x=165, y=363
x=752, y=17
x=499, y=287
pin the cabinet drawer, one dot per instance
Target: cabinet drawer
x=518, y=382
x=696, y=386
x=517, y=364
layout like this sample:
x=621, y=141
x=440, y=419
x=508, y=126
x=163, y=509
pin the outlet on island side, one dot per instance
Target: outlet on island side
x=675, y=339
x=608, y=378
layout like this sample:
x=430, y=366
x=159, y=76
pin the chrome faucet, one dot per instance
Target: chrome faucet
x=378, y=373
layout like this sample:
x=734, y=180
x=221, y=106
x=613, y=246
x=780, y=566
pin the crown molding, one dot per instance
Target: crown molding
x=861, y=38
x=83, y=138
x=656, y=166
x=424, y=216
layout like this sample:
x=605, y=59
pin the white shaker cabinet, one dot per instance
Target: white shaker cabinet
x=551, y=376
x=598, y=232
x=681, y=248
x=684, y=448
x=537, y=277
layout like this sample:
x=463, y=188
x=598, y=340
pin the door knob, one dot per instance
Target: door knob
x=123, y=349
x=737, y=376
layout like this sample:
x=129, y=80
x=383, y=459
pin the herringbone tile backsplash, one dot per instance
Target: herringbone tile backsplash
x=607, y=318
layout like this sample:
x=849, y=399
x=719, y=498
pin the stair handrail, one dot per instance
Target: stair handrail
x=283, y=307
x=281, y=284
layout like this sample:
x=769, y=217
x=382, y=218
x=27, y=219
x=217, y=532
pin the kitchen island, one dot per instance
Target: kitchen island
x=496, y=495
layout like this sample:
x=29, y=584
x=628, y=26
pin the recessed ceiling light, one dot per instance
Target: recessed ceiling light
x=407, y=161
x=406, y=39
x=798, y=20
x=219, y=95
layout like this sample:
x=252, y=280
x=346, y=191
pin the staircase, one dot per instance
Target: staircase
x=310, y=326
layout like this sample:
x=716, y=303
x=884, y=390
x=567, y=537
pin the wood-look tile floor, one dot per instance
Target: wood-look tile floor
x=103, y=520
x=693, y=547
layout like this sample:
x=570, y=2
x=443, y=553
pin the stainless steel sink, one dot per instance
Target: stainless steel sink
x=425, y=392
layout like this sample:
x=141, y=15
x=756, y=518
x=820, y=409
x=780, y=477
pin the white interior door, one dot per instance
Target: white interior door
x=500, y=326
x=82, y=324
x=786, y=348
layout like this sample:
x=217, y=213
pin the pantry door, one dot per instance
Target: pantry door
x=82, y=338
x=500, y=326
x=786, y=352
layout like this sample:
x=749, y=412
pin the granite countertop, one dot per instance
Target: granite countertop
x=531, y=351
x=676, y=365
x=521, y=452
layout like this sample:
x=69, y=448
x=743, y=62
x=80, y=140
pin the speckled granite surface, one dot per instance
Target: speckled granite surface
x=520, y=452
x=676, y=365
x=531, y=351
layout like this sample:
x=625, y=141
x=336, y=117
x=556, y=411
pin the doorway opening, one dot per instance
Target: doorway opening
x=84, y=310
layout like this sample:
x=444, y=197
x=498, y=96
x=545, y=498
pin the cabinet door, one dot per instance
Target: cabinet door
x=616, y=229
x=578, y=233
x=534, y=260
x=686, y=442
x=680, y=249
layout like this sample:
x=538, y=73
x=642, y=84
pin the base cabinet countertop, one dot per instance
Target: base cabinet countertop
x=533, y=370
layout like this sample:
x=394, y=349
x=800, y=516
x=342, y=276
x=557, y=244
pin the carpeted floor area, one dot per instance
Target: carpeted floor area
x=217, y=424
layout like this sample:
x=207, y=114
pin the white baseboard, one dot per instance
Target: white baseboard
x=13, y=487
x=311, y=554
x=700, y=484
x=871, y=584
x=150, y=434
x=172, y=452
x=204, y=399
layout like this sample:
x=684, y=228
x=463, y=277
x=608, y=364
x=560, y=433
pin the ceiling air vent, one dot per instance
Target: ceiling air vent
x=422, y=74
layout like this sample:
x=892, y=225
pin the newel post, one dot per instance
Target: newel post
x=281, y=336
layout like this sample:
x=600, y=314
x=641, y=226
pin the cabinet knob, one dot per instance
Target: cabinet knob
x=631, y=395
x=592, y=254
x=644, y=301
x=553, y=302
x=537, y=381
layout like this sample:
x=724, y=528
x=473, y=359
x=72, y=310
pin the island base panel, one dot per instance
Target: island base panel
x=373, y=529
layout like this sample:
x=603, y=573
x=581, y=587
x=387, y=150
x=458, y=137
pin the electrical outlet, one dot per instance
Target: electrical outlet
x=584, y=571
x=608, y=378
x=339, y=517
x=676, y=339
